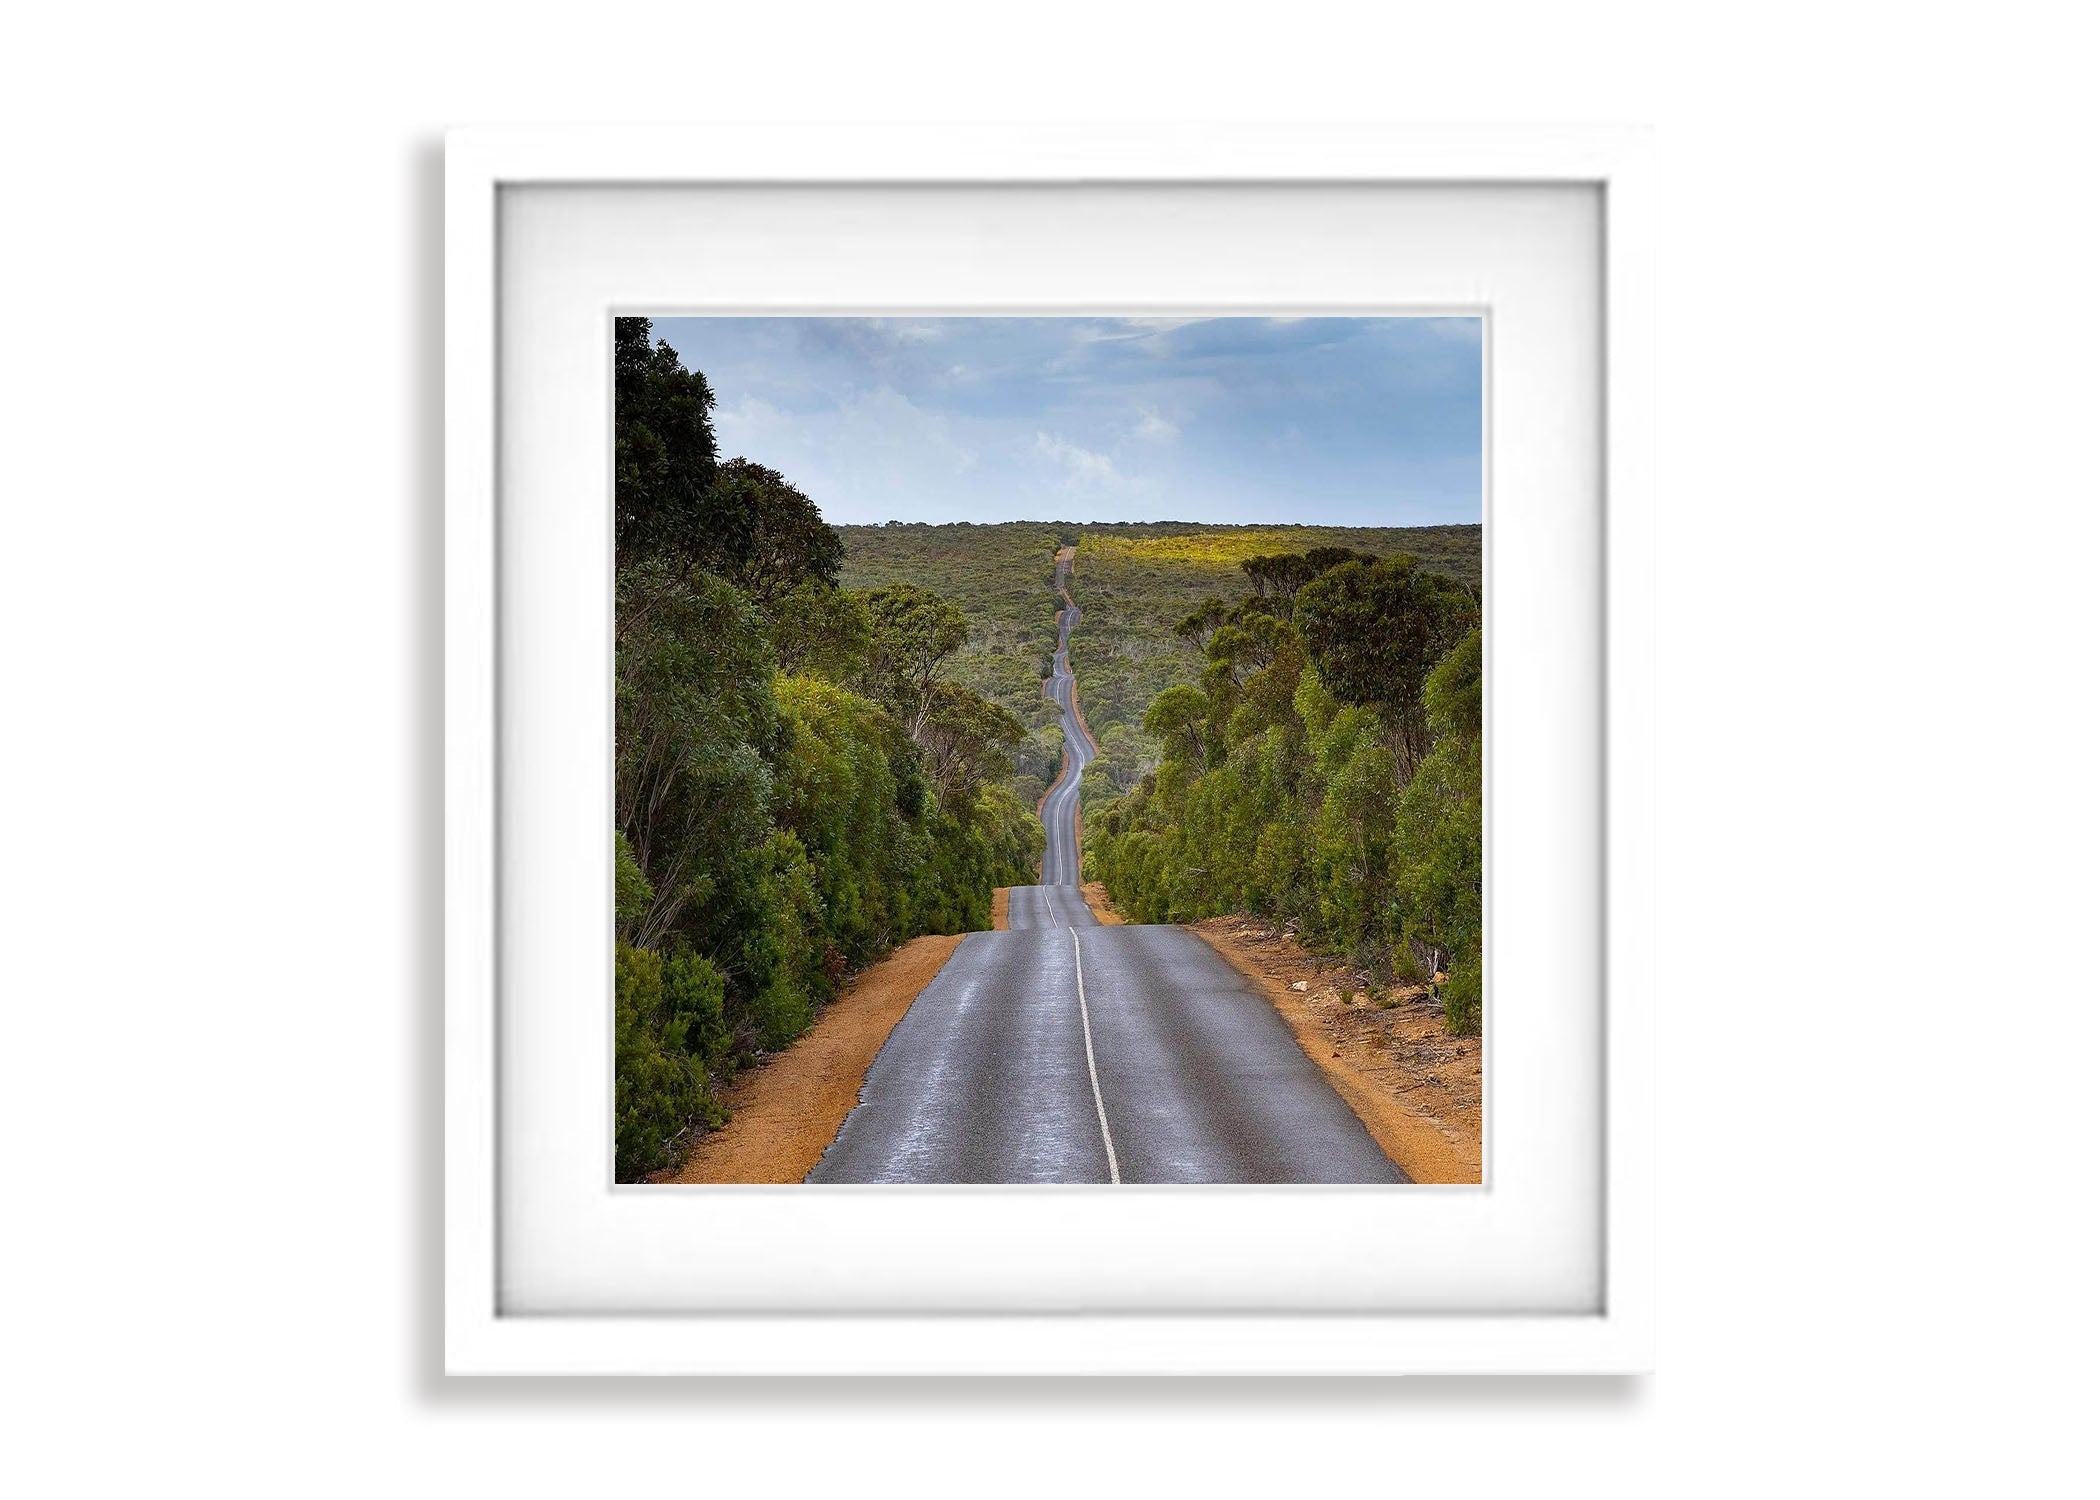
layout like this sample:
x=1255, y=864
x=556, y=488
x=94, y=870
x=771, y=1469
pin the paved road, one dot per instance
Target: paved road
x=1066, y=1051
x=1057, y=902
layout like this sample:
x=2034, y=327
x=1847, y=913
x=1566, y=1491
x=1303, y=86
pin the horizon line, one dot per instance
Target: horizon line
x=1170, y=521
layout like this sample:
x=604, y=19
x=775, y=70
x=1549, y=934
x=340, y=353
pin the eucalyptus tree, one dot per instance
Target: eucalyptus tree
x=913, y=631
x=1376, y=631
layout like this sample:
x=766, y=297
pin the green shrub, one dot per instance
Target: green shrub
x=632, y=893
x=1462, y=1008
x=1274, y=798
x=781, y=1013
x=693, y=995
x=660, y=1088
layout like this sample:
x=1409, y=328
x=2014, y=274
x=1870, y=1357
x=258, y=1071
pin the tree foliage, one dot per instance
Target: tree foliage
x=661, y=1038
x=913, y=632
x=968, y=740
x=776, y=540
x=694, y=726
x=1376, y=630
x=1137, y=582
x=796, y=787
x=821, y=631
x=1282, y=785
x=673, y=501
x=999, y=577
x=1176, y=719
x=663, y=450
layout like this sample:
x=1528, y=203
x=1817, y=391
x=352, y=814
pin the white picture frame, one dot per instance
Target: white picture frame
x=480, y=1336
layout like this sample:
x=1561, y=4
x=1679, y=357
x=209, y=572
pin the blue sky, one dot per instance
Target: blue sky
x=1324, y=421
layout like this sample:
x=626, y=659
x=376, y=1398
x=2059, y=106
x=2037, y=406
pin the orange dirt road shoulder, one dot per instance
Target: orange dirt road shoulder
x=784, y=1113
x=999, y=900
x=1416, y=1089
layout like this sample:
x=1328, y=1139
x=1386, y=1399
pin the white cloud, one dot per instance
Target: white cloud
x=855, y=458
x=1081, y=463
x=1154, y=427
x=878, y=424
x=1457, y=330
x=750, y=420
x=1120, y=330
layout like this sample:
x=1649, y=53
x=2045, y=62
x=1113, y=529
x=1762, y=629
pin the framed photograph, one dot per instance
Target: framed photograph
x=1047, y=752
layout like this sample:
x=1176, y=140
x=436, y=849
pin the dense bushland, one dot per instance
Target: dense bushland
x=1137, y=580
x=799, y=782
x=1322, y=769
x=999, y=576
x=1137, y=583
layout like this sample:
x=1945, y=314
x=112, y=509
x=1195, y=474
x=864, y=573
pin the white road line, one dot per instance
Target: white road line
x=1086, y=1028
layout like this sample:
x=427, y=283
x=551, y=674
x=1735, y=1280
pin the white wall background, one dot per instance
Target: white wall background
x=219, y=254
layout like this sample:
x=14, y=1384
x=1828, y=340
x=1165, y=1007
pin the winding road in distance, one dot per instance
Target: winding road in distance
x=1063, y=1050
x=1057, y=901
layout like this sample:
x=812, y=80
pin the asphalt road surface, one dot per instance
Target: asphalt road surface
x=1057, y=902
x=1066, y=1051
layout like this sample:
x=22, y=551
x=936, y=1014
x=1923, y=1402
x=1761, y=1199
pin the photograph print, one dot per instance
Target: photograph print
x=1047, y=750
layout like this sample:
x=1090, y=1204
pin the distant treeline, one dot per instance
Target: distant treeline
x=1136, y=579
x=999, y=576
x=798, y=786
x=1326, y=772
